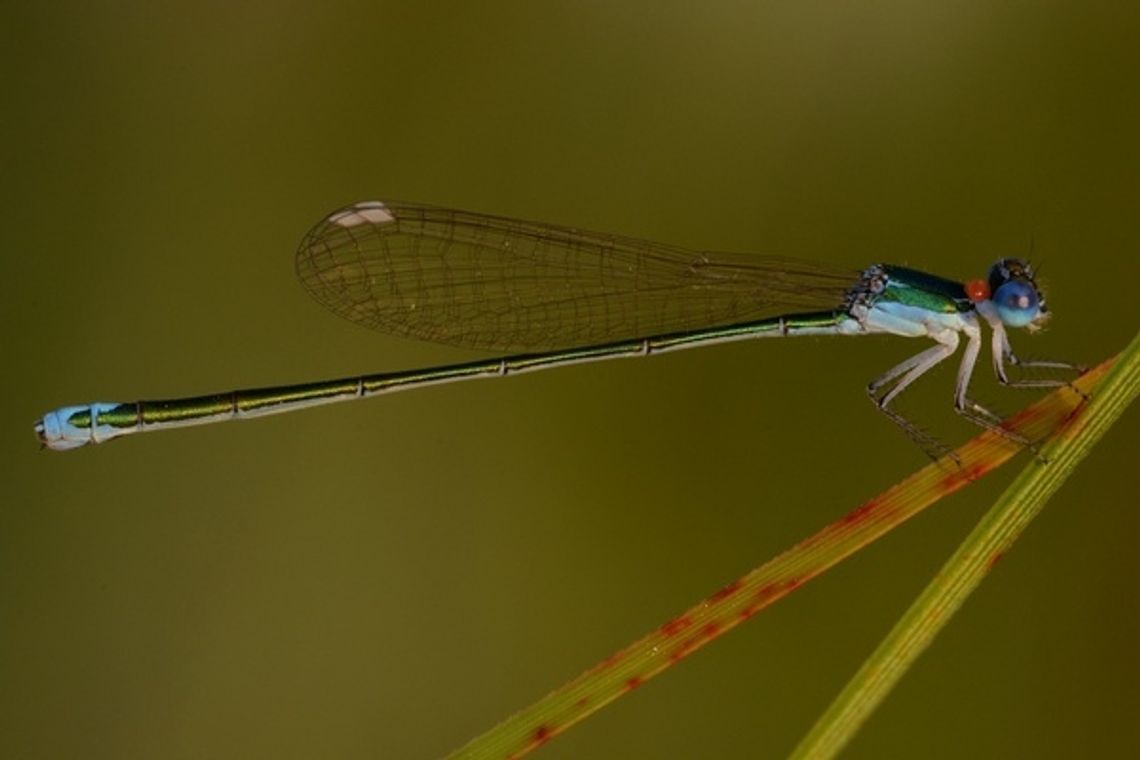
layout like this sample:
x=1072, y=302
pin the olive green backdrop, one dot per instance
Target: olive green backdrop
x=388, y=579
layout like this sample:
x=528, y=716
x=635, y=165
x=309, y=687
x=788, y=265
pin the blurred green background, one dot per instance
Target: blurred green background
x=391, y=578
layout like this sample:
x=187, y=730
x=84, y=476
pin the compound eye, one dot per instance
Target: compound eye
x=1017, y=303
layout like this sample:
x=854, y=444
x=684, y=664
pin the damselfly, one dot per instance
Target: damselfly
x=556, y=295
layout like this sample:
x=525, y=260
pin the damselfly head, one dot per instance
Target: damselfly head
x=1016, y=297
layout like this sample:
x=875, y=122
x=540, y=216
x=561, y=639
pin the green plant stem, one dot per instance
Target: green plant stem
x=992, y=537
x=738, y=601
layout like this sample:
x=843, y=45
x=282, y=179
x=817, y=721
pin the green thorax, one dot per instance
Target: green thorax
x=911, y=287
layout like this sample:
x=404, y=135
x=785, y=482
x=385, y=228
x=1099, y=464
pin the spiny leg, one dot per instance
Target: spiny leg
x=972, y=410
x=963, y=404
x=906, y=373
x=1003, y=353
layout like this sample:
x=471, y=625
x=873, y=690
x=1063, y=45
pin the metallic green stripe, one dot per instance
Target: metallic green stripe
x=392, y=380
x=536, y=361
x=706, y=336
x=911, y=287
x=244, y=402
x=122, y=417
x=815, y=320
x=180, y=410
x=266, y=400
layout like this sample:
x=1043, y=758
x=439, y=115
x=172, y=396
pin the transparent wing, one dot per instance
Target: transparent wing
x=494, y=283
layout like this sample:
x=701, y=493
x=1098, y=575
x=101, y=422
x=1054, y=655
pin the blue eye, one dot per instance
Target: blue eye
x=1017, y=303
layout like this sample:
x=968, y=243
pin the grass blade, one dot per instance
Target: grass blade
x=973, y=560
x=632, y=666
